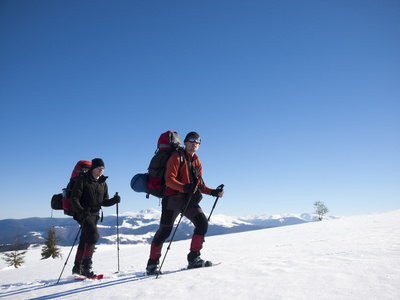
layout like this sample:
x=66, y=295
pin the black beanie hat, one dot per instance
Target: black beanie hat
x=97, y=162
x=191, y=134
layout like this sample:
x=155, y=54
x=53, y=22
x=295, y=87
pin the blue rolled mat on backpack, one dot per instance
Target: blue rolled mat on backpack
x=139, y=183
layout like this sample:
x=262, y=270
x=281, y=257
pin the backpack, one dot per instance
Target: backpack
x=63, y=201
x=153, y=182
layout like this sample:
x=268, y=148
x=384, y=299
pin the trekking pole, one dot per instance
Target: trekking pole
x=219, y=189
x=79, y=231
x=172, y=238
x=117, y=236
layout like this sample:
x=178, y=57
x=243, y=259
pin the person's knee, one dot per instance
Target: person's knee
x=162, y=234
x=167, y=217
x=93, y=238
x=201, y=224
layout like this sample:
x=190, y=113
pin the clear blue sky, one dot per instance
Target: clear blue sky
x=295, y=101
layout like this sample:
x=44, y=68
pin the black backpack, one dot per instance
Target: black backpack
x=63, y=201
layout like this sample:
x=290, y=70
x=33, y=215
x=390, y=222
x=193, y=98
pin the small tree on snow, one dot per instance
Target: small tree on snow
x=15, y=257
x=320, y=209
x=50, y=248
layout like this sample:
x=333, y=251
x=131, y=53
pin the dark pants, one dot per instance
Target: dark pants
x=171, y=208
x=89, y=237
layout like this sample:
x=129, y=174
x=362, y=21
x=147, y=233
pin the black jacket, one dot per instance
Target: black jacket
x=90, y=194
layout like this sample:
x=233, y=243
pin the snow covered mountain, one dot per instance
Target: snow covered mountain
x=353, y=258
x=136, y=227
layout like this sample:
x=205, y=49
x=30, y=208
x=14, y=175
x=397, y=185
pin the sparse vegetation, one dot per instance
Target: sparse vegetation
x=320, y=210
x=50, y=248
x=16, y=257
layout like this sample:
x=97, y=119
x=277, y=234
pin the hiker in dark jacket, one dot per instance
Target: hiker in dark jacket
x=184, y=182
x=90, y=193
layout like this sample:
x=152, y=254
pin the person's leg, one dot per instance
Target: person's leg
x=79, y=256
x=199, y=220
x=171, y=207
x=91, y=236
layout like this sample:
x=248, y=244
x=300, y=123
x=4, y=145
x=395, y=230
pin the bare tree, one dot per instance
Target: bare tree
x=50, y=248
x=320, y=209
x=15, y=257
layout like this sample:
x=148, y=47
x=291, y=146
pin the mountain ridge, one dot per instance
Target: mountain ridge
x=137, y=227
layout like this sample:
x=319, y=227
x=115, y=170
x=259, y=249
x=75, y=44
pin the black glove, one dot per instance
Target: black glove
x=84, y=214
x=215, y=193
x=217, y=190
x=116, y=199
x=189, y=188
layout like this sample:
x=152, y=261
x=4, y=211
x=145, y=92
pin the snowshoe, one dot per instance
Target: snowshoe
x=81, y=277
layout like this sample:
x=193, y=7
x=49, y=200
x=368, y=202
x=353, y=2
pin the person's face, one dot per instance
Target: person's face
x=192, y=144
x=97, y=172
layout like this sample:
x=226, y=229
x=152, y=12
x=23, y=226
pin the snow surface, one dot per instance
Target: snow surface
x=348, y=258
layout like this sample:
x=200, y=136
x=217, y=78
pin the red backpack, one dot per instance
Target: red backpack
x=153, y=182
x=63, y=201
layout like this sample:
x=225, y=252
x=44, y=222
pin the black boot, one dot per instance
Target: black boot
x=153, y=267
x=196, y=262
x=77, y=269
x=87, y=268
x=193, y=255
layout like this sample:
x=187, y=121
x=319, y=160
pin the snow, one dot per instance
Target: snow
x=227, y=221
x=348, y=258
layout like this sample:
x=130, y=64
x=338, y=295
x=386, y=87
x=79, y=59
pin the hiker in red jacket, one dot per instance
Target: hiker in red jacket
x=184, y=183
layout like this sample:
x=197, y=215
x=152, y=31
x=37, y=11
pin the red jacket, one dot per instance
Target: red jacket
x=176, y=178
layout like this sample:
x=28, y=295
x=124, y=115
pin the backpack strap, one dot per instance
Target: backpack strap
x=182, y=159
x=192, y=175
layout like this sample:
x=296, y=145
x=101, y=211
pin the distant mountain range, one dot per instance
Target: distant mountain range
x=135, y=227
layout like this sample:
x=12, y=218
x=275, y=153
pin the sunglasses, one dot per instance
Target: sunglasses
x=194, y=140
x=101, y=168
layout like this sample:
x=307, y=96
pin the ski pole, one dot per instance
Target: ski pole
x=117, y=235
x=79, y=231
x=176, y=228
x=219, y=189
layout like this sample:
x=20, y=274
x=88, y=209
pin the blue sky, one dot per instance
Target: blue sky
x=295, y=101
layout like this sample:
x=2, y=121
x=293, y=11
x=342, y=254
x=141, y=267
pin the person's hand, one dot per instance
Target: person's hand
x=189, y=188
x=83, y=215
x=218, y=192
x=116, y=199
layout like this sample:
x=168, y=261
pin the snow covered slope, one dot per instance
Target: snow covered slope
x=348, y=258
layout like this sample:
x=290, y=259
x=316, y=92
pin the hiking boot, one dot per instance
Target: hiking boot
x=193, y=255
x=88, y=272
x=77, y=268
x=199, y=263
x=153, y=270
x=87, y=268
